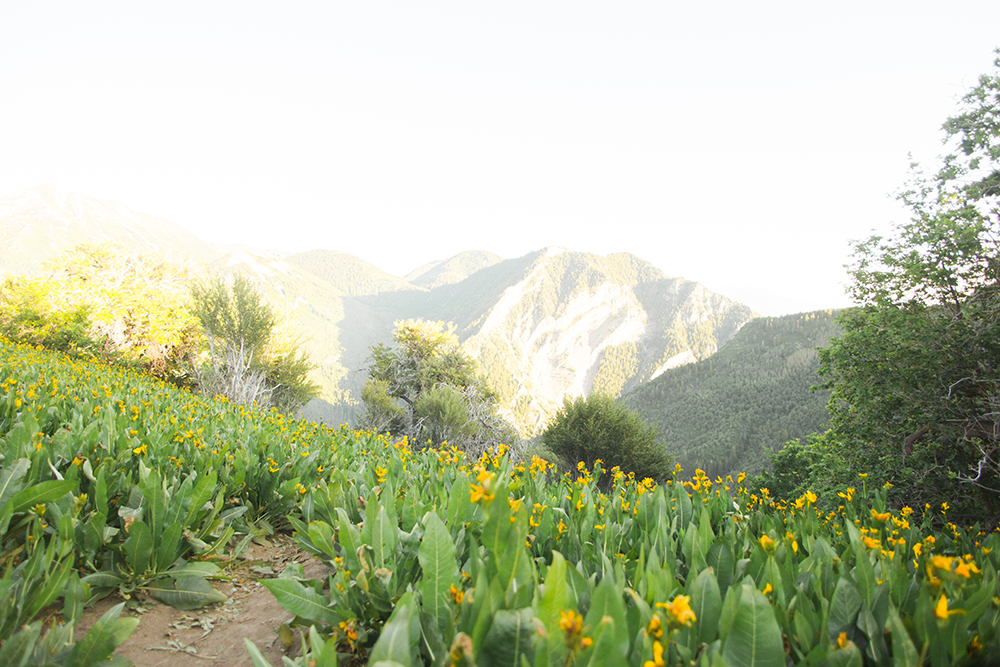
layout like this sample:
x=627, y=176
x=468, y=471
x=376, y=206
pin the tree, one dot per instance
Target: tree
x=107, y=301
x=915, y=376
x=599, y=427
x=249, y=358
x=428, y=389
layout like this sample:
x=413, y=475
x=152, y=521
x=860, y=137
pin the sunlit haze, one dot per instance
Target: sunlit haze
x=738, y=144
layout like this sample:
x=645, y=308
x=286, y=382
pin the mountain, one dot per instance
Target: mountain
x=567, y=323
x=725, y=413
x=548, y=325
x=38, y=223
x=349, y=274
x=452, y=270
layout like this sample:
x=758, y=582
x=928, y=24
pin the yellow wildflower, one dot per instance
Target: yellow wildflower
x=680, y=610
x=941, y=608
x=657, y=660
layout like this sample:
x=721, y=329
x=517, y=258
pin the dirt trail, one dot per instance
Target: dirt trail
x=168, y=637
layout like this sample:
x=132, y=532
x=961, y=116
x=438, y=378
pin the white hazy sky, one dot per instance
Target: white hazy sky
x=740, y=144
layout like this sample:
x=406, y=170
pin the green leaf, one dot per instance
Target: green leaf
x=904, y=653
x=508, y=639
x=849, y=656
x=754, y=639
x=844, y=607
x=255, y=655
x=104, y=637
x=399, y=641
x=74, y=597
x=43, y=492
x=103, y=580
x=191, y=592
x=706, y=602
x=18, y=648
x=385, y=536
x=302, y=601
x=607, y=602
x=555, y=596
x=138, y=547
x=10, y=479
x=440, y=573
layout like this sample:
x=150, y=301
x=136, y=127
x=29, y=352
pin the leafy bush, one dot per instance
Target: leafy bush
x=427, y=389
x=599, y=428
x=248, y=362
x=106, y=301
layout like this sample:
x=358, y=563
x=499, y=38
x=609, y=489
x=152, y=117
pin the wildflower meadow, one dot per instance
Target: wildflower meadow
x=112, y=483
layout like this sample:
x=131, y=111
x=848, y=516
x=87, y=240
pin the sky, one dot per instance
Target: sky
x=739, y=144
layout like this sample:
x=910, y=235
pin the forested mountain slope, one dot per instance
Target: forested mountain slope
x=452, y=270
x=725, y=413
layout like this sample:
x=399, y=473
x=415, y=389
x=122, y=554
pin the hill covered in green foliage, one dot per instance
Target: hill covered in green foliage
x=725, y=413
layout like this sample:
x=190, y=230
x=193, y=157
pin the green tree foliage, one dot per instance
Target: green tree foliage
x=426, y=388
x=250, y=358
x=599, y=427
x=106, y=301
x=916, y=374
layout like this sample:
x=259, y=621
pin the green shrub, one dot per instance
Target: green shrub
x=599, y=428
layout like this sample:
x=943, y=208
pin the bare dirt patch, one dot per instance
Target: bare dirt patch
x=168, y=637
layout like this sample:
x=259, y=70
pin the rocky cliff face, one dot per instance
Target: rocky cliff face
x=577, y=323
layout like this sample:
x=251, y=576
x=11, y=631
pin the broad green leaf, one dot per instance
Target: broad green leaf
x=754, y=639
x=439, y=572
x=188, y=593
x=844, y=607
x=904, y=653
x=385, y=535
x=706, y=603
x=103, y=580
x=52, y=587
x=201, y=495
x=166, y=546
x=155, y=502
x=10, y=479
x=555, y=595
x=508, y=640
x=138, y=547
x=350, y=540
x=43, y=492
x=104, y=637
x=606, y=649
x=720, y=557
x=607, y=601
x=849, y=656
x=399, y=640
x=322, y=653
x=302, y=601
x=321, y=538
x=74, y=597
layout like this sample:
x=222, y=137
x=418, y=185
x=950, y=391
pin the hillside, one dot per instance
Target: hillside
x=550, y=324
x=350, y=275
x=452, y=270
x=725, y=413
x=37, y=223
